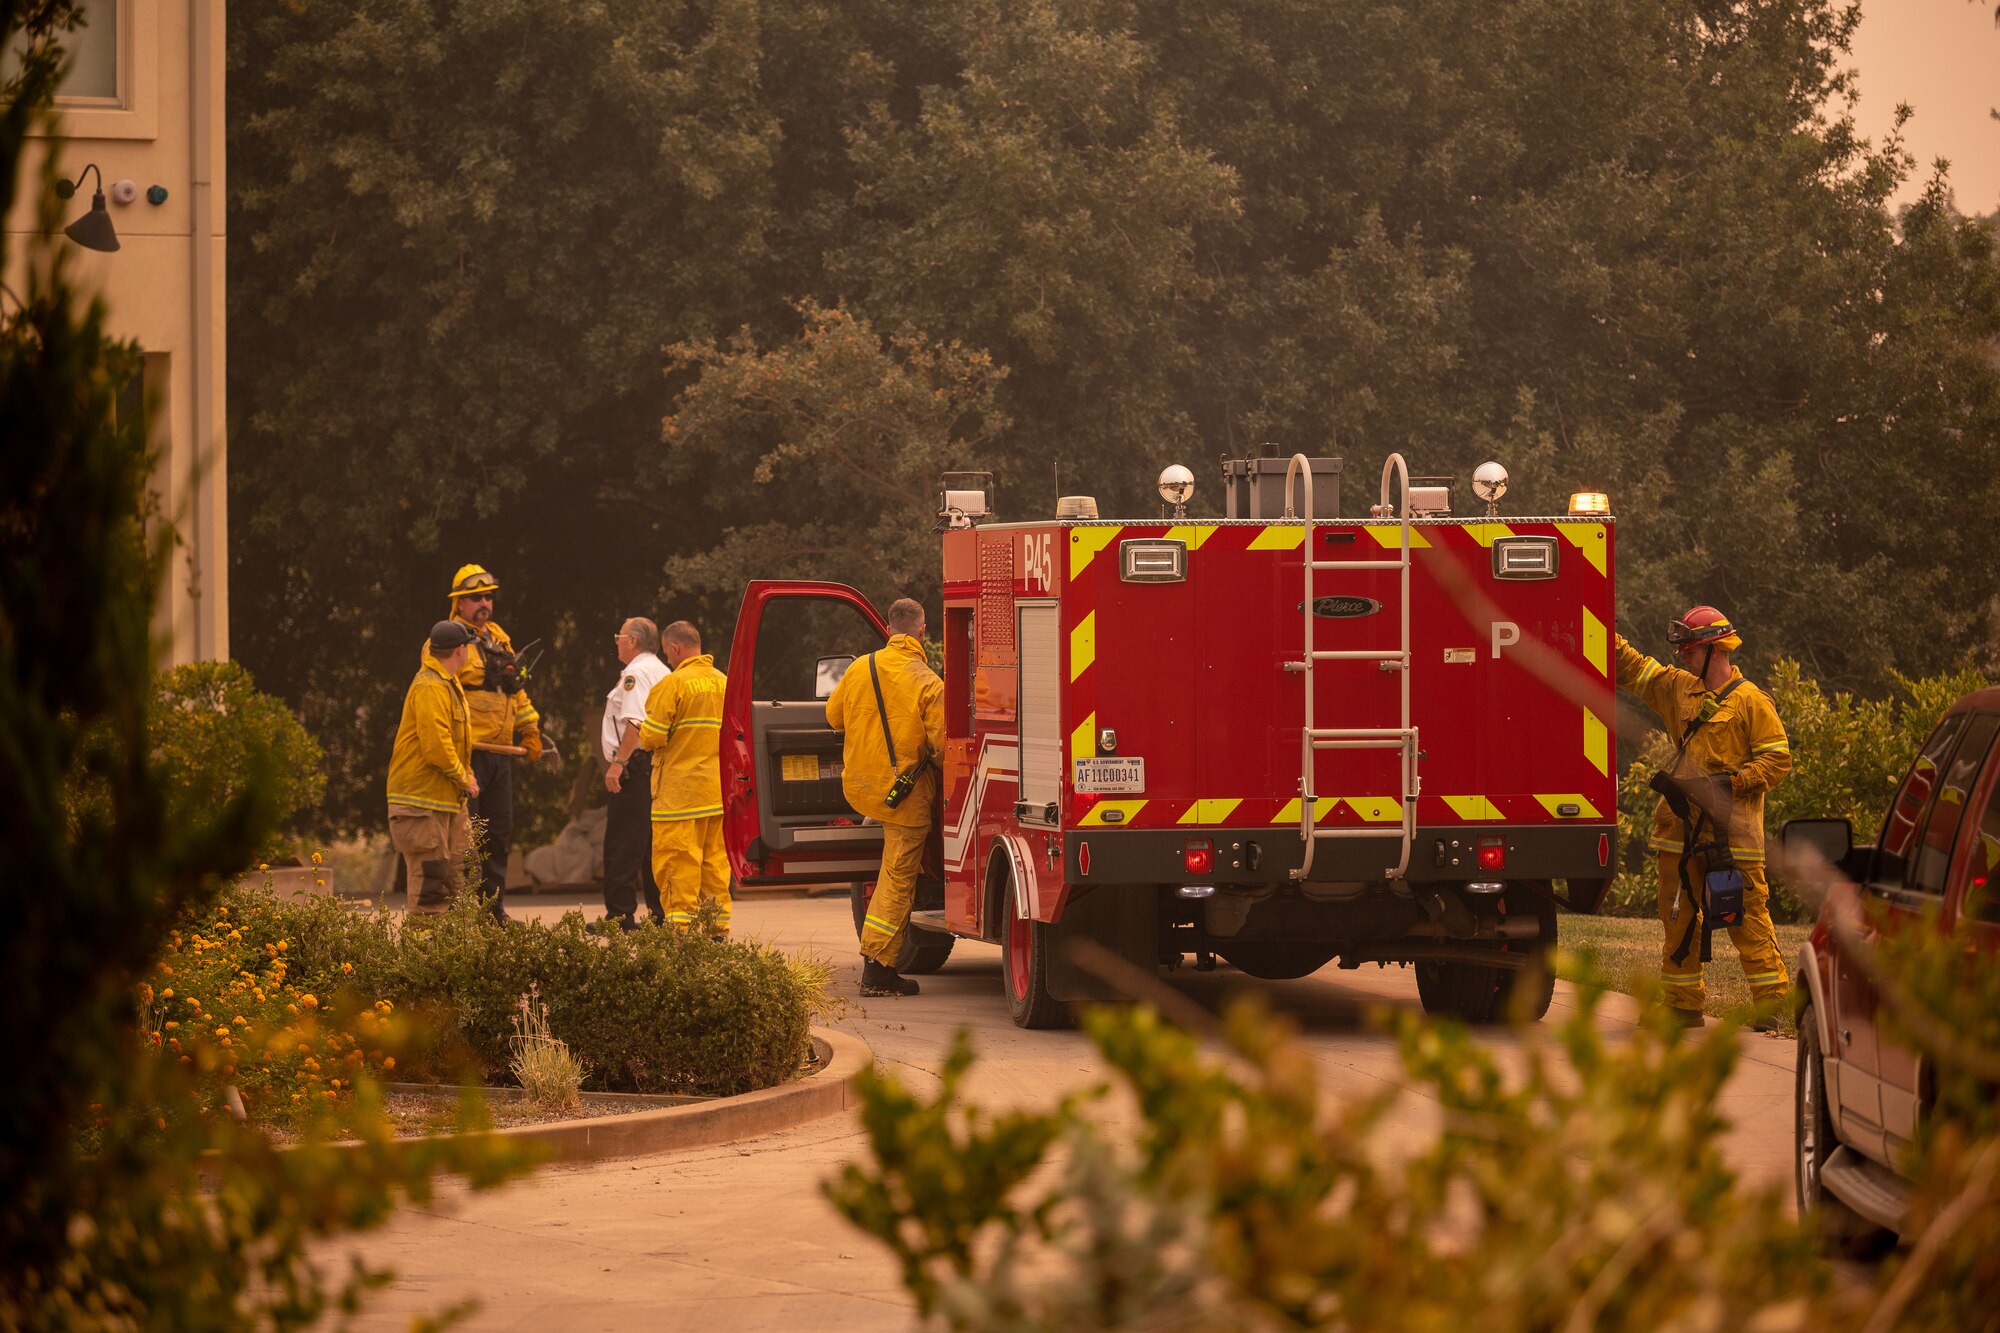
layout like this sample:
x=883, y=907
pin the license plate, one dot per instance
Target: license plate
x=1109, y=775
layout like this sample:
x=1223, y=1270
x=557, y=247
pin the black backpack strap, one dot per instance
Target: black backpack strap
x=882, y=711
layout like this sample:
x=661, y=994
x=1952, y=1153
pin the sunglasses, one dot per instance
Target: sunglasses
x=476, y=597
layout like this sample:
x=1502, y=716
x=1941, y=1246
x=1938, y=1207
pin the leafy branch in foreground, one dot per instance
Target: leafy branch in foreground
x=1573, y=1180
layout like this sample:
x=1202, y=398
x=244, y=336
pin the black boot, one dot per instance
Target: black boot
x=884, y=981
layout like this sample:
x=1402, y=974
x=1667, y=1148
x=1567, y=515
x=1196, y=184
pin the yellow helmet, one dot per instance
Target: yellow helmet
x=471, y=579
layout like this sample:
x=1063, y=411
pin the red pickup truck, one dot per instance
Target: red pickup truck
x=1860, y=1094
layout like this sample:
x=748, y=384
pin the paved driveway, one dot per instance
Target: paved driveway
x=738, y=1237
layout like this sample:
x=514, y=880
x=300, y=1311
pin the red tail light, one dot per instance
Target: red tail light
x=1198, y=855
x=1492, y=854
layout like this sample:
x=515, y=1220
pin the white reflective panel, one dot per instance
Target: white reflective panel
x=1524, y=558
x=1152, y=561
x=1040, y=701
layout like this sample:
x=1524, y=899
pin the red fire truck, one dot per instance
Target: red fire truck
x=1281, y=738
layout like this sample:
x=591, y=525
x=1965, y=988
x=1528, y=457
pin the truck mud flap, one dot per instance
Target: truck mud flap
x=1121, y=919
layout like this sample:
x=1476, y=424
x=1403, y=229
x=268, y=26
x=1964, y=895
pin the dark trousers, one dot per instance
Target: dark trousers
x=495, y=805
x=628, y=843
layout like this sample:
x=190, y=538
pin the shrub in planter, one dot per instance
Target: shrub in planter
x=208, y=718
x=653, y=1010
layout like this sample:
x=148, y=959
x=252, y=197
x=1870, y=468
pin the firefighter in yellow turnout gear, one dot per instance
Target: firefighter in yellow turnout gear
x=912, y=697
x=683, y=729
x=430, y=772
x=502, y=714
x=1731, y=749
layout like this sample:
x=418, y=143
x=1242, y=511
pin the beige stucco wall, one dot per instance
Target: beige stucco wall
x=164, y=287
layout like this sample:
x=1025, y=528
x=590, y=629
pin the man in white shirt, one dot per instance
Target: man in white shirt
x=628, y=824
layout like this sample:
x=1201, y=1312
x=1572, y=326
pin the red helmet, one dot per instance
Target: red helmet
x=1702, y=624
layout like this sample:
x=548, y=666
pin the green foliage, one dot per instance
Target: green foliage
x=1627, y=243
x=1582, y=1180
x=838, y=423
x=208, y=719
x=653, y=1010
x=1568, y=1180
x=104, y=1221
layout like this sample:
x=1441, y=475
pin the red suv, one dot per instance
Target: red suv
x=1860, y=1095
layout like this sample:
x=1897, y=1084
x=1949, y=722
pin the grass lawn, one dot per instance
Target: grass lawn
x=1628, y=948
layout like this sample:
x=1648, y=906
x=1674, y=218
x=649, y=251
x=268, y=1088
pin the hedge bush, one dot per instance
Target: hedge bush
x=654, y=1010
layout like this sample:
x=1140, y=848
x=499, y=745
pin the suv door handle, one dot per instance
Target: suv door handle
x=1846, y=1037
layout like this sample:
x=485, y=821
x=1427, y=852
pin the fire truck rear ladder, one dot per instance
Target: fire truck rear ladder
x=1402, y=736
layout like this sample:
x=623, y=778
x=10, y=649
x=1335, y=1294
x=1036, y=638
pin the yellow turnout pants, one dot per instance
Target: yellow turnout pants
x=888, y=918
x=689, y=864
x=1756, y=940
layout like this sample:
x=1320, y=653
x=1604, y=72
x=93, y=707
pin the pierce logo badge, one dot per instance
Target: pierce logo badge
x=1343, y=608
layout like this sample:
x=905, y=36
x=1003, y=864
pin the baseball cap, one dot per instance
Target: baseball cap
x=449, y=636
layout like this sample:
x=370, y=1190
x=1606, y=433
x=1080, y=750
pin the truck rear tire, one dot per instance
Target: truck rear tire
x=1465, y=991
x=1535, y=984
x=923, y=951
x=1024, y=969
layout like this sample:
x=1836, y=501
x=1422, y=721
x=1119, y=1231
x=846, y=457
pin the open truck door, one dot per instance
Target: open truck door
x=784, y=818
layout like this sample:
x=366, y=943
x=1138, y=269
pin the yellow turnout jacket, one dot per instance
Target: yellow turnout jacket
x=1743, y=739
x=433, y=752
x=914, y=698
x=497, y=718
x=683, y=728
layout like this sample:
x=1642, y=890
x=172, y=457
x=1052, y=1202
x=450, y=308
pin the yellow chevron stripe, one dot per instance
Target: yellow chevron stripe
x=1596, y=643
x=1585, y=809
x=1473, y=807
x=1095, y=815
x=1390, y=535
x=1083, y=646
x=1374, y=809
x=1288, y=815
x=1485, y=533
x=1288, y=538
x=1194, y=534
x=1083, y=741
x=1596, y=742
x=1085, y=543
x=1588, y=538
x=1209, y=810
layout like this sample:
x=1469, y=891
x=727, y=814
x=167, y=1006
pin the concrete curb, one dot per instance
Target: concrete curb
x=705, y=1124
x=665, y=1129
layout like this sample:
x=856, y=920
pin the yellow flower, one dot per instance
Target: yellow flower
x=309, y=1001
x=167, y=994
x=222, y=1032
x=346, y=968
x=316, y=858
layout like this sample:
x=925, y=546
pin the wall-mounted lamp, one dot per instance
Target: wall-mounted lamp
x=92, y=231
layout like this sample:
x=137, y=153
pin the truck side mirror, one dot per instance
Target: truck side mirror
x=828, y=673
x=1831, y=838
